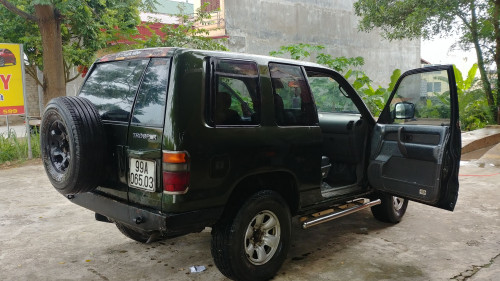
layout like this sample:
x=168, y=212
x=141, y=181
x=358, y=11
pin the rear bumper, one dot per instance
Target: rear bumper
x=148, y=220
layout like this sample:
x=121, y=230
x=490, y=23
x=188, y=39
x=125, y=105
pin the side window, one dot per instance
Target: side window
x=112, y=86
x=235, y=96
x=328, y=94
x=428, y=94
x=149, y=107
x=293, y=103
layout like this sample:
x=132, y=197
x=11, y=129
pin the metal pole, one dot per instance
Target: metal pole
x=39, y=74
x=26, y=119
x=7, y=121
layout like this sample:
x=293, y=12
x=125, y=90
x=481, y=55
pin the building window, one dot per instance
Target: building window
x=434, y=87
x=437, y=87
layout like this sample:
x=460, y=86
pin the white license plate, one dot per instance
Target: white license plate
x=142, y=174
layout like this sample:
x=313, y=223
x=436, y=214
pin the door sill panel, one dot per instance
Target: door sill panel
x=328, y=191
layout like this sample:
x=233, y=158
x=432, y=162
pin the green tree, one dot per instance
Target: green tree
x=60, y=34
x=374, y=97
x=188, y=33
x=302, y=51
x=476, y=21
x=473, y=105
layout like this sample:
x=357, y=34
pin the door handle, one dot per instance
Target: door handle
x=401, y=144
x=144, y=154
x=349, y=125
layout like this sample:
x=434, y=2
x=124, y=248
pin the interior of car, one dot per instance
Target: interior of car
x=345, y=135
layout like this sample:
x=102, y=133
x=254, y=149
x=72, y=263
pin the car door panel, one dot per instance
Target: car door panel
x=145, y=144
x=145, y=137
x=416, y=174
x=343, y=136
x=422, y=142
x=417, y=157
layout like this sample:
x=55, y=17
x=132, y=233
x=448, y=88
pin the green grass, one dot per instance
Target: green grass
x=14, y=148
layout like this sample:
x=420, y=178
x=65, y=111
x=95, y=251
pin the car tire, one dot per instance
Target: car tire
x=391, y=210
x=14, y=63
x=133, y=234
x=72, y=145
x=2, y=61
x=243, y=248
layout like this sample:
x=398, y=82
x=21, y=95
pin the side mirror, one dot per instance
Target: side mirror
x=404, y=110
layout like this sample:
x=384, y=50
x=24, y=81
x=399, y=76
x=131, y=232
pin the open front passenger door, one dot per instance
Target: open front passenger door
x=416, y=143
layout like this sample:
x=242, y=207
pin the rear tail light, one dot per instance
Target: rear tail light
x=175, y=182
x=175, y=171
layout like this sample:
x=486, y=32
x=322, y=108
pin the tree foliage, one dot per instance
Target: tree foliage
x=374, y=97
x=408, y=18
x=189, y=33
x=302, y=51
x=475, y=21
x=84, y=27
x=473, y=106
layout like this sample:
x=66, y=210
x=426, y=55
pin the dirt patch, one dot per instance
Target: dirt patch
x=20, y=163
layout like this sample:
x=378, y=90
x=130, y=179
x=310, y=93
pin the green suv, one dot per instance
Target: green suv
x=168, y=141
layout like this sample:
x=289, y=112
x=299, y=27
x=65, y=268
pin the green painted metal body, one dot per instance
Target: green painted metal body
x=223, y=160
x=249, y=151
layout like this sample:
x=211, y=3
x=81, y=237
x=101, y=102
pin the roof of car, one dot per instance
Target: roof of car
x=171, y=51
x=138, y=53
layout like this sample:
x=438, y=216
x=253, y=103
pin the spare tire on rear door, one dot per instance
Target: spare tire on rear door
x=72, y=144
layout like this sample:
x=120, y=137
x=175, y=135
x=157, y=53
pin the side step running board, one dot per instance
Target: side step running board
x=337, y=212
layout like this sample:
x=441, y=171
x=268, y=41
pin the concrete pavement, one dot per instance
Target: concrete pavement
x=45, y=237
x=492, y=155
x=19, y=130
x=478, y=139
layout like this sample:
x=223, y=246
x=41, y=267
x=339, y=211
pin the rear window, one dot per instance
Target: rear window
x=149, y=109
x=112, y=86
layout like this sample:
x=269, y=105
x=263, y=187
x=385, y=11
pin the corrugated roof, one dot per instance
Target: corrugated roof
x=173, y=7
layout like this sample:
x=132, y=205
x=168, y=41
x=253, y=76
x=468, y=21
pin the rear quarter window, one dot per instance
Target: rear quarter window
x=112, y=86
x=235, y=99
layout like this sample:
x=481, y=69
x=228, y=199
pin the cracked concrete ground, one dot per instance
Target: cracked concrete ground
x=45, y=237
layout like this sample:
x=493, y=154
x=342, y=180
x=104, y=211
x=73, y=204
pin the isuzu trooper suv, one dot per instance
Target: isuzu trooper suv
x=168, y=141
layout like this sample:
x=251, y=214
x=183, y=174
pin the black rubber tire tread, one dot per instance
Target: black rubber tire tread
x=228, y=234
x=2, y=61
x=87, y=144
x=132, y=233
x=385, y=211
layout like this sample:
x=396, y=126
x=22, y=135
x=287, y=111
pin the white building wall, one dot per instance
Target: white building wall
x=261, y=26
